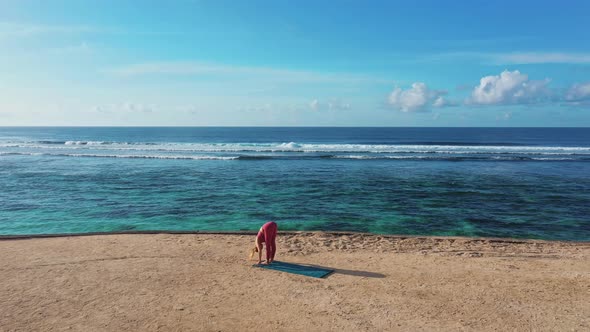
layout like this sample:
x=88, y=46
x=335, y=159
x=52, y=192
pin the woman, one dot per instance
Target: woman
x=267, y=234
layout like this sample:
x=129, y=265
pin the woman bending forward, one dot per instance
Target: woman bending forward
x=267, y=235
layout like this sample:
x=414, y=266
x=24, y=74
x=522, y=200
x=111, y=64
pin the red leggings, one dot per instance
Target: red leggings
x=269, y=235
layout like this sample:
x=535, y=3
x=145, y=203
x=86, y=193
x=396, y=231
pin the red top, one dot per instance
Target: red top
x=268, y=234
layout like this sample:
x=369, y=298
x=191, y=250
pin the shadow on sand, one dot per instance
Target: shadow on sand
x=356, y=273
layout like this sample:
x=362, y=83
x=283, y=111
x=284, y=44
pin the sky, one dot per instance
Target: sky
x=295, y=63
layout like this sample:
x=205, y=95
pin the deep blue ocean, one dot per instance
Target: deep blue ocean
x=497, y=182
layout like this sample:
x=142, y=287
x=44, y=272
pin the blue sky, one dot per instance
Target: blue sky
x=295, y=63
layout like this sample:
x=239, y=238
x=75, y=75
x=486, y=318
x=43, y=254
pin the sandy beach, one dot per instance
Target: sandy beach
x=204, y=282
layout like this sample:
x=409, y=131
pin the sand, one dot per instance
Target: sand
x=164, y=282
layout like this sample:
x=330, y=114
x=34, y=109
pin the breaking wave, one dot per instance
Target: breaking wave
x=301, y=157
x=81, y=155
x=293, y=147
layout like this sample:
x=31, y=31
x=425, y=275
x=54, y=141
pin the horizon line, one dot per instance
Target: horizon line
x=131, y=126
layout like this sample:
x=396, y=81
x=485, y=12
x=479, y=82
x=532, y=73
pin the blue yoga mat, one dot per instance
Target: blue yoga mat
x=310, y=271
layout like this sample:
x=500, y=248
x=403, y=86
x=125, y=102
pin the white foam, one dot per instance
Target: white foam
x=290, y=145
x=133, y=156
x=21, y=154
x=293, y=147
x=552, y=159
x=354, y=157
x=381, y=157
x=82, y=155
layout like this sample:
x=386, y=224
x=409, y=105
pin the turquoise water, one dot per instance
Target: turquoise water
x=523, y=183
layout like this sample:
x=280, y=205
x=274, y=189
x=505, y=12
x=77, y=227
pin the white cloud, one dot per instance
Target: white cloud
x=337, y=104
x=332, y=105
x=277, y=107
x=578, y=92
x=83, y=47
x=196, y=68
x=258, y=108
x=540, y=57
x=126, y=107
x=417, y=98
x=440, y=101
x=314, y=105
x=170, y=68
x=15, y=29
x=505, y=116
x=504, y=58
x=510, y=87
x=141, y=108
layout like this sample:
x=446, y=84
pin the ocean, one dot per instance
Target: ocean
x=476, y=182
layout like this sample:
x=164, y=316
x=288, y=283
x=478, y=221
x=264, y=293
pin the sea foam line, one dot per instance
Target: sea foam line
x=265, y=157
x=131, y=156
x=307, y=148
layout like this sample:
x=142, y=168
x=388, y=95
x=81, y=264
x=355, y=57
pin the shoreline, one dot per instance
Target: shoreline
x=340, y=233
